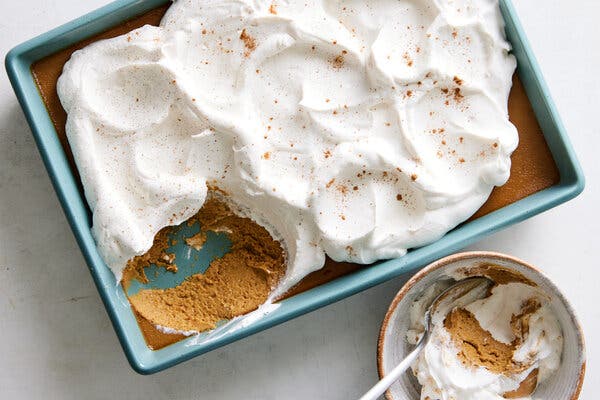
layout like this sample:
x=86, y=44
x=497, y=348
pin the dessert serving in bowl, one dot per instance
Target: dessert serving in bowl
x=512, y=336
x=230, y=154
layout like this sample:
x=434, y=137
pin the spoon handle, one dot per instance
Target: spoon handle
x=394, y=375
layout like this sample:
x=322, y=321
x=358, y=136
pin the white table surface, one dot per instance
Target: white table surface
x=56, y=341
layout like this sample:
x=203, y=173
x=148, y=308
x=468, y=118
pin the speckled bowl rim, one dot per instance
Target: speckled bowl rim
x=443, y=262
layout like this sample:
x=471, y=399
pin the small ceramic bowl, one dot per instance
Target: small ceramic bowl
x=565, y=384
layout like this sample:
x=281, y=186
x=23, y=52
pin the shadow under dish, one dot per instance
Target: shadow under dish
x=533, y=168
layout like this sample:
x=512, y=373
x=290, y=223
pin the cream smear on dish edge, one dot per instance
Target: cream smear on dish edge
x=356, y=129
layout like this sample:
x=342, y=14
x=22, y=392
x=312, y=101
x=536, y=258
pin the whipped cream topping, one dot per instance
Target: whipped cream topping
x=357, y=129
x=441, y=372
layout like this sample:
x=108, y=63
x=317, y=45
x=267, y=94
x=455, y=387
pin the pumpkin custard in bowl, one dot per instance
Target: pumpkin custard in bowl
x=511, y=336
x=309, y=137
x=501, y=339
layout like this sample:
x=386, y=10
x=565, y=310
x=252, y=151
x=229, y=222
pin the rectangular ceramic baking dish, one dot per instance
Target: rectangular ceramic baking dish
x=146, y=361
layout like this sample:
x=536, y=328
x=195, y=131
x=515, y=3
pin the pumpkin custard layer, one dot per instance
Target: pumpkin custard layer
x=234, y=284
x=478, y=348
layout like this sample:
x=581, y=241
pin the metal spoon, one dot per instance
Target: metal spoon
x=455, y=291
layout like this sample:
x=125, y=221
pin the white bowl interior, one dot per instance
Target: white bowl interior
x=565, y=382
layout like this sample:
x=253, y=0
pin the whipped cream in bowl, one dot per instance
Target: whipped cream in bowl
x=355, y=129
x=519, y=339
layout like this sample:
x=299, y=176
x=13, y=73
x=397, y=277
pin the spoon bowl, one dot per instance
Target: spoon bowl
x=564, y=384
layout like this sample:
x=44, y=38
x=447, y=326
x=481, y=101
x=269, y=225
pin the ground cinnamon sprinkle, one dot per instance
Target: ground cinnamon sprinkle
x=458, y=96
x=343, y=189
x=338, y=61
x=408, y=60
x=234, y=284
x=249, y=43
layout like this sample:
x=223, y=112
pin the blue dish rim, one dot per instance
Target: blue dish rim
x=145, y=361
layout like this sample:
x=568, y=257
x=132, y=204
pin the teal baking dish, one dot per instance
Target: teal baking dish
x=146, y=361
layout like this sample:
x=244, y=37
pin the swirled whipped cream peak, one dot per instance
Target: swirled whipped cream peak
x=356, y=129
x=491, y=343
